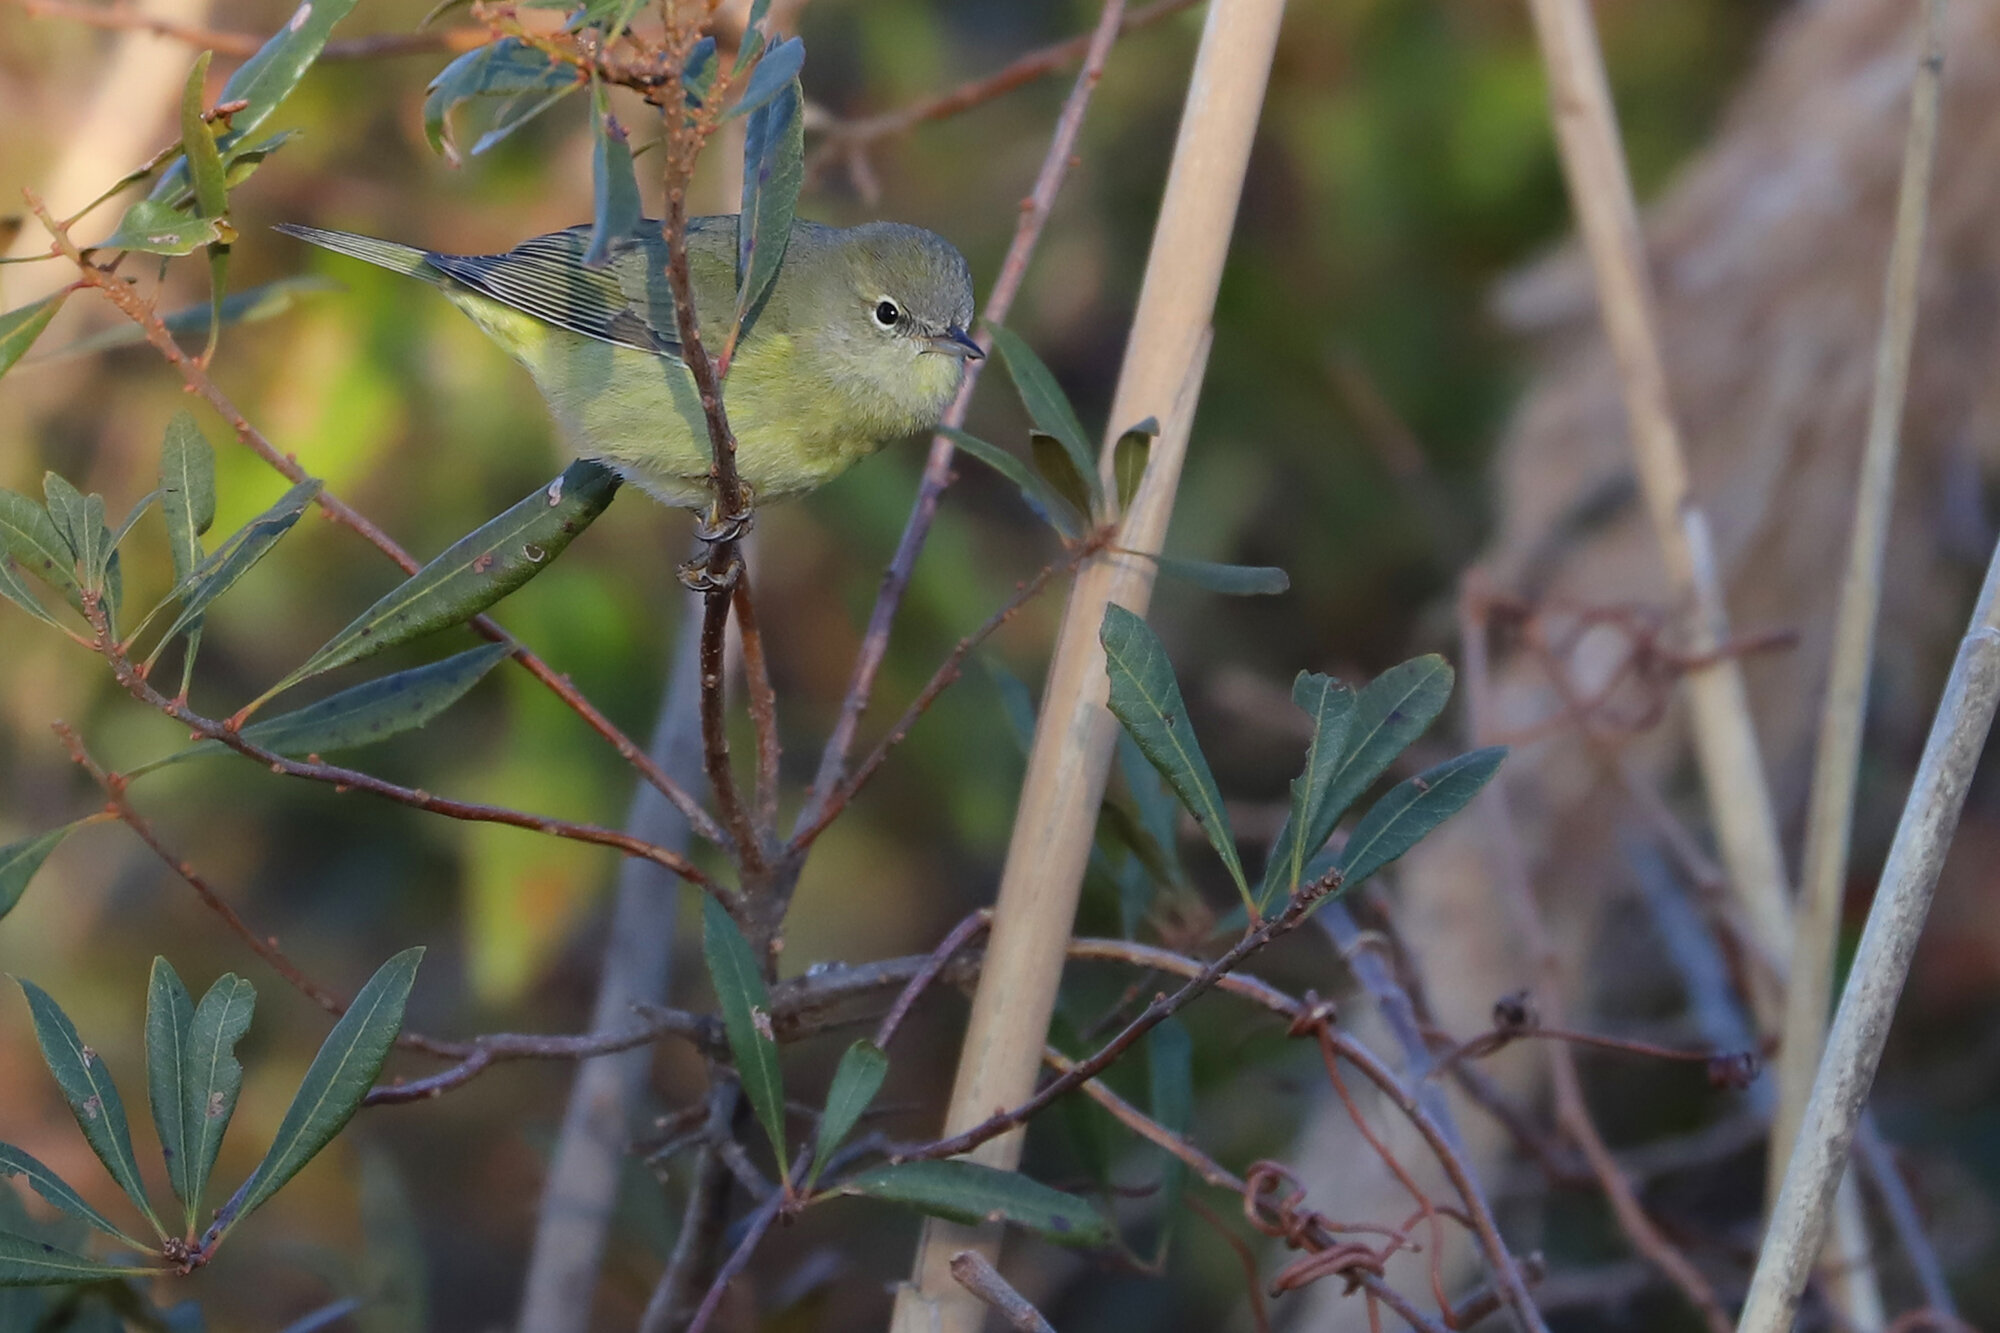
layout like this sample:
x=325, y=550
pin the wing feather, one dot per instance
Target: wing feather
x=545, y=278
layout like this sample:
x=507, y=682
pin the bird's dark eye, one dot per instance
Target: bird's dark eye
x=886, y=314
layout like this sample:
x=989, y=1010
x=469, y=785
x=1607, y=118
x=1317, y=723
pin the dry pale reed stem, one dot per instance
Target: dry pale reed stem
x=1600, y=189
x=1861, y=1025
x=1830, y=820
x=1073, y=738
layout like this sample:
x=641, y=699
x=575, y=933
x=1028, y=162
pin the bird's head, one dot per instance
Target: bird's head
x=897, y=309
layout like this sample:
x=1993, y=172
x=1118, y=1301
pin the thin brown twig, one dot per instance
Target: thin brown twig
x=701, y=1219
x=196, y=379
x=937, y=476
x=962, y=935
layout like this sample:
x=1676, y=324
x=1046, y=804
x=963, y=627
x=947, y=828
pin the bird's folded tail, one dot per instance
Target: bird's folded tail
x=387, y=254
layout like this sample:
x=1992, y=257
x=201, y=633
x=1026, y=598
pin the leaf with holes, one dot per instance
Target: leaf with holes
x=1146, y=698
x=967, y=1192
x=92, y=1096
x=746, y=1019
x=212, y=1077
x=1411, y=810
x=336, y=1081
x=474, y=572
x=855, y=1083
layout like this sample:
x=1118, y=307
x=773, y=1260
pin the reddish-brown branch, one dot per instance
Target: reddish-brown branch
x=242, y=45
x=961, y=936
x=1035, y=211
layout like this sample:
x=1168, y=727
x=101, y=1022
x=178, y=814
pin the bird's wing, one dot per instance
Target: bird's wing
x=545, y=278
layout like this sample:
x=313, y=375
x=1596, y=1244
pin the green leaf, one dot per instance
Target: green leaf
x=363, y=715
x=855, y=1083
x=236, y=557
x=1054, y=462
x=1129, y=458
x=250, y=306
x=34, y=1263
x=1331, y=707
x=19, y=328
x=1158, y=812
x=29, y=535
x=1046, y=403
x=92, y=1096
x=698, y=75
x=773, y=173
x=1390, y=713
x=967, y=1192
x=265, y=80
x=169, y=1012
x=52, y=1187
x=155, y=227
x=525, y=80
x=474, y=572
x=1229, y=580
x=615, y=188
x=20, y=860
x=242, y=163
x=1146, y=698
x=1170, y=1085
x=1057, y=512
x=187, y=491
x=338, y=1078
x=776, y=69
x=79, y=521
x=746, y=1019
x=212, y=1077
x=16, y=590
x=1411, y=810
x=211, y=192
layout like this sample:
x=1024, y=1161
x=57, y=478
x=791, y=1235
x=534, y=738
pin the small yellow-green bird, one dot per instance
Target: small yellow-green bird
x=862, y=340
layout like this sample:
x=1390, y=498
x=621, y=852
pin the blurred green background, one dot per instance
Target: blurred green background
x=1404, y=163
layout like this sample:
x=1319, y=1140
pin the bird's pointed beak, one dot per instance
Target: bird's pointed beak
x=954, y=342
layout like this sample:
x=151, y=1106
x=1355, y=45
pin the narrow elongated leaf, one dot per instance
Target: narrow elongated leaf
x=16, y=590
x=970, y=1193
x=19, y=328
x=187, y=490
x=1229, y=580
x=29, y=535
x=1157, y=810
x=249, y=306
x=1053, y=462
x=1390, y=713
x=855, y=1083
x=776, y=68
x=1047, y=404
x=698, y=75
x=1170, y=1085
x=92, y=1096
x=363, y=715
x=1129, y=458
x=474, y=572
x=212, y=1077
x=34, y=1263
x=78, y=522
x=773, y=173
x=526, y=79
x=746, y=1019
x=155, y=227
x=236, y=557
x=1411, y=810
x=52, y=1187
x=169, y=1013
x=615, y=188
x=1146, y=698
x=336, y=1081
x=1057, y=512
x=20, y=860
x=211, y=191
x=1330, y=706
x=266, y=79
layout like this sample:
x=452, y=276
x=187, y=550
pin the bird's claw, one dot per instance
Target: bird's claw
x=697, y=576
x=715, y=526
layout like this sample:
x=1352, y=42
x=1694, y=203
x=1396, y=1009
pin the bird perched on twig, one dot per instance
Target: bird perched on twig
x=860, y=340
